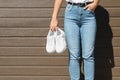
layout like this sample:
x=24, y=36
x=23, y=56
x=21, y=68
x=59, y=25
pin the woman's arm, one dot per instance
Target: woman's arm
x=54, y=20
x=93, y=5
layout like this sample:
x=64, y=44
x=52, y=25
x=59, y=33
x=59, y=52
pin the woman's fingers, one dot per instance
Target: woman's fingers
x=54, y=24
x=86, y=6
x=53, y=28
x=91, y=6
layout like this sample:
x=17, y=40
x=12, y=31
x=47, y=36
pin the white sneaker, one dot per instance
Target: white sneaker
x=60, y=41
x=50, y=44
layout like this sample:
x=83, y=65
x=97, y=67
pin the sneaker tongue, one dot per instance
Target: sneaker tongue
x=58, y=32
x=51, y=33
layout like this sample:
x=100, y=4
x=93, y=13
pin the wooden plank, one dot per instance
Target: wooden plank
x=24, y=22
x=41, y=51
x=28, y=12
x=26, y=41
x=43, y=78
x=34, y=61
x=25, y=32
x=45, y=3
x=41, y=22
x=114, y=22
x=110, y=3
x=45, y=70
x=28, y=51
x=38, y=42
x=42, y=12
x=113, y=12
x=26, y=3
x=51, y=61
x=37, y=32
x=116, y=78
x=115, y=31
x=33, y=70
x=25, y=12
x=34, y=77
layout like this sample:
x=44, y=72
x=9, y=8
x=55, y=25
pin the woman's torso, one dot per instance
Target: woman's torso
x=79, y=1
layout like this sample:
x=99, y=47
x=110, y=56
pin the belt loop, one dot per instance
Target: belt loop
x=85, y=3
x=72, y=3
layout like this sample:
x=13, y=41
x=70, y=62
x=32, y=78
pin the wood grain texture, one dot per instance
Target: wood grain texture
x=39, y=42
x=47, y=61
x=42, y=12
x=26, y=22
x=24, y=25
x=46, y=3
x=41, y=51
x=40, y=78
x=43, y=70
x=40, y=32
x=34, y=78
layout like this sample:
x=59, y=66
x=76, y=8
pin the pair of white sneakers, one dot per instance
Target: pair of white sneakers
x=56, y=41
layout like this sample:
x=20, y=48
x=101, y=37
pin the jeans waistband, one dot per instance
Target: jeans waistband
x=79, y=4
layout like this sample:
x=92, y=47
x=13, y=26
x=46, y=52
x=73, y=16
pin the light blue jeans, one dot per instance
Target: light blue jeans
x=80, y=28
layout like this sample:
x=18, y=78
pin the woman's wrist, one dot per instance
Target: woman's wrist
x=95, y=4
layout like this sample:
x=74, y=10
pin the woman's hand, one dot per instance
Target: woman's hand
x=54, y=20
x=54, y=24
x=91, y=6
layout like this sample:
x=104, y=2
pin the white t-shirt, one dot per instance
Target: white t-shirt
x=79, y=1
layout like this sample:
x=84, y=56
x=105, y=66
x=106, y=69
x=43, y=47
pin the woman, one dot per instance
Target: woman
x=80, y=28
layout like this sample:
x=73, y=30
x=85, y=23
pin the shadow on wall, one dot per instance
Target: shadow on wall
x=104, y=58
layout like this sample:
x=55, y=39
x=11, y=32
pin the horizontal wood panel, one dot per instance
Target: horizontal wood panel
x=114, y=22
x=40, y=51
x=53, y=61
x=24, y=32
x=35, y=78
x=42, y=78
x=37, y=42
x=33, y=70
x=26, y=3
x=27, y=51
x=23, y=12
x=34, y=61
x=42, y=71
x=45, y=3
x=43, y=32
x=26, y=41
x=26, y=22
x=42, y=12
x=110, y=3
x=113, y=12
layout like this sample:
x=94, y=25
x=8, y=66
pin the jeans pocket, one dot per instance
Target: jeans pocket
x=90, y=11
x=68, y=8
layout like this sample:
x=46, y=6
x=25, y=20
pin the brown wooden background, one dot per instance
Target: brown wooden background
x=23, y=28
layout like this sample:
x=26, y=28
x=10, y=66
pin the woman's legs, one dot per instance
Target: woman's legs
x=80, y=23
x=88, y=41
x=88, y=33
x=73, y=40
x=72, y=30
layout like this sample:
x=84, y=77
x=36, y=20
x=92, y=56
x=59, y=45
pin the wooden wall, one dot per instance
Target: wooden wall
x=23, y=28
